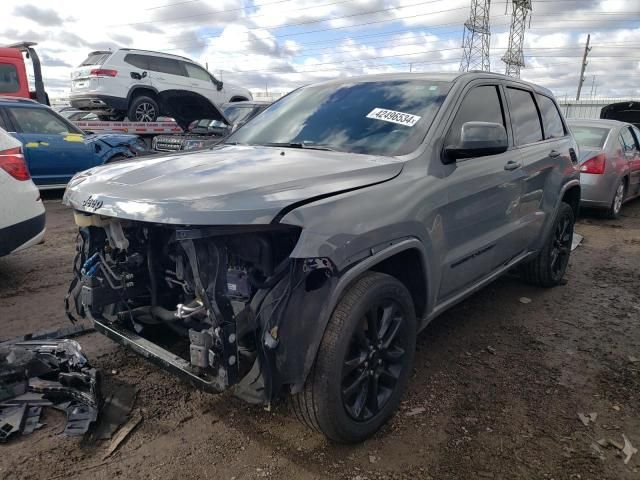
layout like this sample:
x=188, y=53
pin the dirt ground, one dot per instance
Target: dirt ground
x=496, y=390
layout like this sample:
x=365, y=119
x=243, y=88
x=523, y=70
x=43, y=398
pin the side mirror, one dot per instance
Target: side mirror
x=220, y=85
x=478, y=139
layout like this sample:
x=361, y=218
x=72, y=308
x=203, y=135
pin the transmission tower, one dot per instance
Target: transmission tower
x=475, y=41
x=514, y=57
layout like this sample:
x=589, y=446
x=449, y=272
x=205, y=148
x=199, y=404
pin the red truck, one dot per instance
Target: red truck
x=13, y=72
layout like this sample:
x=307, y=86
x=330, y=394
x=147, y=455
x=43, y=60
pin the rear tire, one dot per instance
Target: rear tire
x=613, y=212
x=549, y=267
x=143, y=109
x=368, y=346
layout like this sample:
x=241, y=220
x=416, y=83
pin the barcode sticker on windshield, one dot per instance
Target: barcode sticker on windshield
x=394, y=117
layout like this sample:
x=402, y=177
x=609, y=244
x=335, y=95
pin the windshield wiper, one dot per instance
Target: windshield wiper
x=303, y=145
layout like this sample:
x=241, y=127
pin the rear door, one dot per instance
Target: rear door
x=481, y=217
x=53, y=148
x=200, y=81
x=168, y=74
x=546, y=149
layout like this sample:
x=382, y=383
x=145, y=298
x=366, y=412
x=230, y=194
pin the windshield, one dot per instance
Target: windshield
x=379, y=118
x=590, y=137
x=238, y=113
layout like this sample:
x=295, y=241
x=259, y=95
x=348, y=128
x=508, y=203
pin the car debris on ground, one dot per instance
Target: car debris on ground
x=40, y=370
x=53, y=373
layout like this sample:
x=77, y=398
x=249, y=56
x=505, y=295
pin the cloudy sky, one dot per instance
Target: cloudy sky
x=282, y=44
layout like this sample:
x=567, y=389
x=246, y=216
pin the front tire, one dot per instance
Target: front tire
x=549, y=267
x=363, y=362
x=143, y=109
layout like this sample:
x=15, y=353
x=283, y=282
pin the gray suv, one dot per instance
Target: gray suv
x=301, y=258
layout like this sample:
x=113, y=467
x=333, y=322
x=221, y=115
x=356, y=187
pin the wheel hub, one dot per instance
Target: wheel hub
x=374, y=361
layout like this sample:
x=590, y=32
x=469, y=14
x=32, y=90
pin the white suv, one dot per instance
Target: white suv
x=130, y=83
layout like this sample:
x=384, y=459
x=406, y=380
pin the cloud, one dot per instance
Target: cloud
x=122, y=39
x=42, y=16
x=50, y=61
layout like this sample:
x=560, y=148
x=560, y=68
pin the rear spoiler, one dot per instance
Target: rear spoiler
x=26, y=47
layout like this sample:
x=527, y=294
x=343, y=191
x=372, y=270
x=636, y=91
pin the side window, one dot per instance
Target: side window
x=196, y=72
x=140, y=61
x=551, y=119
x=481, y=104
x=38, y=120
x=627, y=141
x=8, y=78
x=636, y=134
x=524, y=116
x=166, y=65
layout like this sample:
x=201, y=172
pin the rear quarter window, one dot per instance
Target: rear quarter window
x=9, y=82
x=139, y=61
x=551, y=119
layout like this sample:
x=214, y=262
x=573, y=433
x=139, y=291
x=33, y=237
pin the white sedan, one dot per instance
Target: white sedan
x=22, y=218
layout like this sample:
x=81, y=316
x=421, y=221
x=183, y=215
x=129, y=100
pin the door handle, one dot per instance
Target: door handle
x=511, y=165
x=554, y=154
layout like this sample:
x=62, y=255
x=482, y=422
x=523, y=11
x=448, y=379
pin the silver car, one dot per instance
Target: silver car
x=609, y=163
x=301, y=257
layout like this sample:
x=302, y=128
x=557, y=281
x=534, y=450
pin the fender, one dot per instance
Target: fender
x=550, y=220
x=296, y=377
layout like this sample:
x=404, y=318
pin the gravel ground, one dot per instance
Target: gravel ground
x=496, y=389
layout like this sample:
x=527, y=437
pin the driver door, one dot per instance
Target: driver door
x=53, y=154
x=480, y=218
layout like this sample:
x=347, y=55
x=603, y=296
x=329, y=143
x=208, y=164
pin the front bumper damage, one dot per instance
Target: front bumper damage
x=217, y=306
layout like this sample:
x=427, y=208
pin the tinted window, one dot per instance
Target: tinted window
x=165, y=65
x=551, y=119
x=140, y=61
x=482, y=104
x=8, y=78
x=590, y=137
x=96, y=58
x=40, y=120
x=628, y=142
x=196, y=72
x=636, y=133
x=524, y=117
x=379, y=117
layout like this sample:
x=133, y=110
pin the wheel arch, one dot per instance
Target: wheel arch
x=571, y=196
x=391, y=260
x=142, y=90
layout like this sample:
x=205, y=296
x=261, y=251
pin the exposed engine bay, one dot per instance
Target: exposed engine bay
x=204, y=302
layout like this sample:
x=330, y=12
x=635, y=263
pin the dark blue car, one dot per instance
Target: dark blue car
x=55, y=149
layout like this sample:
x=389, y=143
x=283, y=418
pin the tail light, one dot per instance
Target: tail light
x=594, y=165
x=12, y=162
x=103, y=72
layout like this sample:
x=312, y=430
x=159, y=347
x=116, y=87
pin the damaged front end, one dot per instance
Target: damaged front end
x=210, y=304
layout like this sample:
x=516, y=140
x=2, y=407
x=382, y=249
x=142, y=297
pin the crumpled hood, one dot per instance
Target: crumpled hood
x=112, y=139
x=229, y=185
